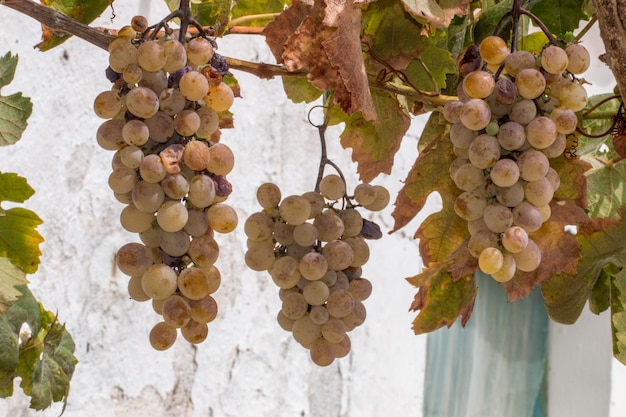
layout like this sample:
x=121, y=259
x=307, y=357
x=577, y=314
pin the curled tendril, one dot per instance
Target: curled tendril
x=619, y=120
x=389, y=70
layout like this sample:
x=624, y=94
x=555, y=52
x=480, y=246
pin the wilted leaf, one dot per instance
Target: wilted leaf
x=19, y=240
x=573, y=180
x=441, y=233
x=84, y=11
x=325, y=39
x=437, y=14
x=441, y=299
x=618, y=315
x=607, y=190
x=10, y=278
x=14, y=109
x=560, y=16
x=560, y=251
x=374, y=145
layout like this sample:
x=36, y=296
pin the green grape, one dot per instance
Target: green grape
x=334, y=330
x=578, y=58
x=159, y=281
x=339, y=254
x=484, y=151
x=329, y=226
x=201, y=191
x=533, y=165
x=107, y=105
x=171, y=101
x=131, y=156
x=134, y=220
x=135, y=291
x=523, y=112
x=162, y=336
x=507, y=272
x=313, y=266
x=260, y=257
x=151, y=56
x=176, y=311
x=360, y=250
x=148, y=197
x=193, y=283
x=220, y=97
x=504, y=173
x=152, y=169
x=529, y=258
x=380, y=201
x=305, y=331
x=573, y=96
x=527, y=216
x=203, y=310
x=541, y=132
x=498, y=217
x=160, y=127
x=318, y=314
x=199, y=51
x=479, y=84
x=221, y=159
x=187, y=123
x=530, y=83
x=268, y=195
x=554, y=59
x=294, y=306
x=195, y=332
x=175, y=186
x=475, y=114
x=364, y=194
x=172, y=216
x=340, y=303
x=174, y=243
x=322, y=352
x=209, y=122
x=284, y=272
x=480, y=240
x=203, y=251
x=352, y=222
x=305, y=234
x=470, y=205
x=511, y=136
x=539, y=193
x=564, y=119
x=332, y=187
x=194, y=86
x=315, y=293
x=109, y=135
x=222, y=218
x=133, y=259
x=514, y=239
x=490, y=260
x=493, y=50
x=517, y=61
x=142, y=102
x=360, y=288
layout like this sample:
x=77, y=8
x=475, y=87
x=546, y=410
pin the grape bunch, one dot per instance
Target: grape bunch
x=314, y=253
x=169, y=168
x=513, y=116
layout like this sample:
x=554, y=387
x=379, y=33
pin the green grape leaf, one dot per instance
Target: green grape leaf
x=14, y=109
x=84, y=11
x=606, y=191
x=214, y=13
x=44, y=360
x=437, y=14
x=10, y=277
x=489, y=18
x=601, y=243
x=300, y=90
x=14, y=188
x=392, y=36
x=440, y=298
x=243, y=8
x=600, y=296
x=560, y=16
x=429, y=72
x=374, y=145
x=429, y=172
x=19, y=240
x=618, y=315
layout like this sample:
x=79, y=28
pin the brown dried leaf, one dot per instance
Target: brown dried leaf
x=286, y=24
x=437, y=14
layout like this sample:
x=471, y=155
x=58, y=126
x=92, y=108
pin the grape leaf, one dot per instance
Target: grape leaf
x=14, y=188
x=560, y=16
x=325, y=39
x=299, y=90
x=84, y=11
x=255, y=7
x=10, y=277
x=391, y=34
x=606, y=190
x=214, y=13
x=19, y=240
x=601, y=242
x=560, y=251
x=573, y=180
x=441, y=299
x=618, y=315
x=374, y=145
x=430, y=71
x=437, y=14
x=600, y=296
x=44, y=361
x=14, y=109
x=428, y=172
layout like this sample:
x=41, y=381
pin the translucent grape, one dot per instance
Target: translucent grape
x=490, y=260
x=541, y=132
x=204, y=251
x=195, y=332
x=221, y=160
x=203, y=310
x=529, y=258
x=194, y=86
x=475, y=114
x=573, y=96
x=159, y=281
x=517, y=61
x=554, y=59
x=530, y=83
x=504, y=173
x=480, y=240
x=539, y=193
x=507, y=272
x=172, y=216
x=107, y=105
x=579, y=58
x=479, y=84
x=315, y=293
x=193, y=283
x=498, y=217
x=220, y=97
x=142, y=102
x=493, y=50
x=515, y=239
x=332, y=187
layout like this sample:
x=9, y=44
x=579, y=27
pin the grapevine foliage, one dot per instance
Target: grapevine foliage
x=35, y=346
x=383, y=61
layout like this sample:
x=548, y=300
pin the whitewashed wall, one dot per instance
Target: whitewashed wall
x=248, y=366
